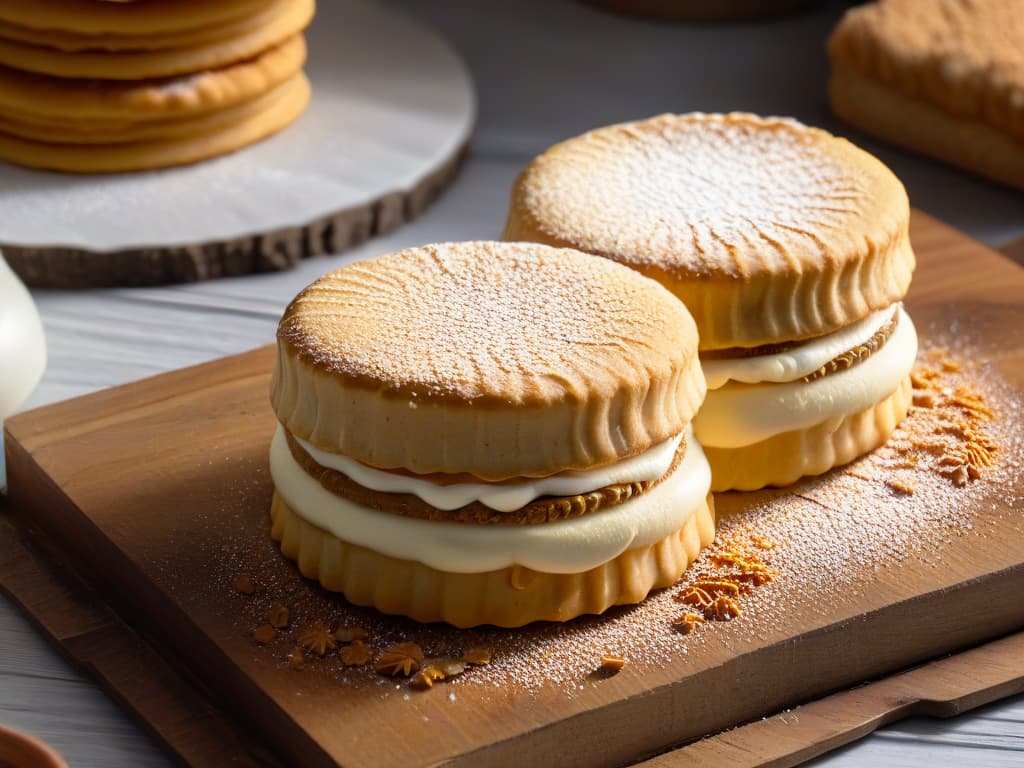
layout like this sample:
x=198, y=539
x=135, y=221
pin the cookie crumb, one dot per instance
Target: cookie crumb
x=426, y=678
x=318, y=639
x=901, y=487
x=356, y=654
x=279, y=616
x=401, y=659
x=611, y=662
x=477, y=656
x=688, y=622
x=264, y=634
x=723, y=608
x=349, y=634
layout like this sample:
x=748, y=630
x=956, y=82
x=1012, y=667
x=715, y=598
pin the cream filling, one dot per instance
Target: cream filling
x=564, y=546
x=508, y=496
x=738, y=414
x=802, y=360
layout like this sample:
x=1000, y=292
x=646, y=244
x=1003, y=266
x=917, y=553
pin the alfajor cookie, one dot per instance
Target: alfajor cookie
x=789, y=246
x=945, y=79
x=488, y=433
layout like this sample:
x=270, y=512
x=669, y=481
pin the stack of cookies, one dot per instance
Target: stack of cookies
x=92, y=86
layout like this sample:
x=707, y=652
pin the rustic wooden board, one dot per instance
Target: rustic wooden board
x=944, y=688
x=169, y=703
x=159, y=491
x=179, y=713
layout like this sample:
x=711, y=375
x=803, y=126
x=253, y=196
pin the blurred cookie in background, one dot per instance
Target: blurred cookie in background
x=92, y=87
x=943, y=78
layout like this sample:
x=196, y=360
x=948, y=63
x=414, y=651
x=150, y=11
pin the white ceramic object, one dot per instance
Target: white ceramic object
x=22, y=346
x=392, y=103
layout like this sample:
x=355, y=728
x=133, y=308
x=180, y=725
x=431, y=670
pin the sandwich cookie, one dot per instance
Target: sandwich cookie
x=789, y=246
x=488, y=433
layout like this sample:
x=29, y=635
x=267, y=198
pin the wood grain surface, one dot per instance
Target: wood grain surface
x=169, y=702
x=943, y=688
x=162, y=549
x=177, y=710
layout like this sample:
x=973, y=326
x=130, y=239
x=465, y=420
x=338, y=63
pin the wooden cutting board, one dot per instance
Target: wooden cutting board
x=178, y=710
x=158, y=491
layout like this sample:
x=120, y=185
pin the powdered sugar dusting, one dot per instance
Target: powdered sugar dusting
x=512, y=321
x=701, y=195
x=835, y=537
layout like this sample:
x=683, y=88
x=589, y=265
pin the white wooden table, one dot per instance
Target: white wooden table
x=545, y=71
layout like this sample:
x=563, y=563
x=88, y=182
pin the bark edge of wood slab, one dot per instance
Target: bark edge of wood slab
x=282, y=249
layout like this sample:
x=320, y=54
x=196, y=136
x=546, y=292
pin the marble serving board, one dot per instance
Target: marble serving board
x=386, y=131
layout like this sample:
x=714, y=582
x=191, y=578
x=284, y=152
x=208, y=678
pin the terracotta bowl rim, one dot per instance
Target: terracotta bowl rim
x=27, y=751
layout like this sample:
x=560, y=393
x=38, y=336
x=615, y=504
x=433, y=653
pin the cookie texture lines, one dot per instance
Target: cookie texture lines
x=712, y=196
x=496, y=359
x=510, y=597
x=963, y=56
x=508, y=323
x=729, y=212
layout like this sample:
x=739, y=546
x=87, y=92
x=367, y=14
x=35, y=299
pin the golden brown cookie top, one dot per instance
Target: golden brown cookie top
x=497, y=359
x=489, y=322
x=729, y=212
x=966, y=56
